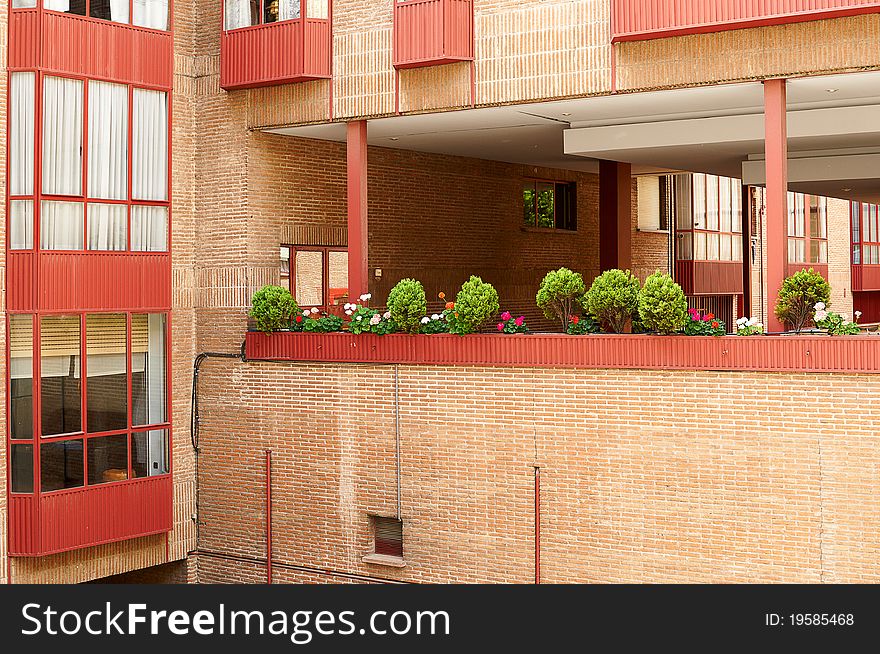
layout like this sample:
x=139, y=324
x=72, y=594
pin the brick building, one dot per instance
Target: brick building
x=166, y=160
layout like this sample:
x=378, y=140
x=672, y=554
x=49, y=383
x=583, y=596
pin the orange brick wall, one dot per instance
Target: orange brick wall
x=646, y=476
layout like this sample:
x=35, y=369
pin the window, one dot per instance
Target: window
x=807, y=229
x=145, y=13
x=653, y=208
x=317, y=276
x=387, y=536
x=865, y=233
x=245, y=13
x=124, y=373
x=709, y=217
x=550, y=205
x=84, y=201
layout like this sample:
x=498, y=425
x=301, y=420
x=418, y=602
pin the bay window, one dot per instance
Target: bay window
x=807, y=229
x=865, y=233
x=708, y=217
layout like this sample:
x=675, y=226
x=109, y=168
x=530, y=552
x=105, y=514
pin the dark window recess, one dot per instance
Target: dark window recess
x=21, y=404
x=550, y=205
x=61, y=465
x=667, y=201
x=22, y=468
x=388, y=536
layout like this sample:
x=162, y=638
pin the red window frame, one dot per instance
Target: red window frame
x=807, y=238
x=691, y=231
x=326, y=299
x=37, y=439
x=87, y=15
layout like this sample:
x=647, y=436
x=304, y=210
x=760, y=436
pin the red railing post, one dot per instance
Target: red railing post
x=776, y=163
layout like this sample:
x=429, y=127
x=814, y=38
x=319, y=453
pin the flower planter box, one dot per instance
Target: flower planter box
x=855, y=354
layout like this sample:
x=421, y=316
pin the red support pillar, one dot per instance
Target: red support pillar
x=615, y=215
x=358, y=279
x=776, y=162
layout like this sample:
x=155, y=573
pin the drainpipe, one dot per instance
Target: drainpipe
x=269, y=517
x=537, y=525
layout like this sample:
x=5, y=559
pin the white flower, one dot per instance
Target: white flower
x=314, y=310
x=436, y=316
x=306, y=313
x=359, y=318
x=819, y=306
x=347, y=306
x=820, y=315
x=845, y=317
x=387, y=315
x=858, y=314
x=348, y=312
x=426, y=320
x=751, y=322
x=376, y=319
x=742, y=321
x=365, y=297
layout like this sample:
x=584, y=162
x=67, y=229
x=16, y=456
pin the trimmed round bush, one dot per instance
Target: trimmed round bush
x=798, y=297
x=613, y=299
x=559, y=293
x=663, y=307
x=407, y=304
x=272, y=307
x=475, y=304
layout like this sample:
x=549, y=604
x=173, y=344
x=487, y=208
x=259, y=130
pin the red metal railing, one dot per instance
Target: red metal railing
x=93, y=515
x=432, y=32
x=709, y=277
x=276, y=53
x=764, y=353
x=635, y=20
x=88, y=47
x=865, y=277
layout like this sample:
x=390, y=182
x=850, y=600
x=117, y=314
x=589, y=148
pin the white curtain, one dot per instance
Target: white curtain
x=24, y=4
x=149, y=229
x=119, y=11
x=21, y=225
x=317, y=9
x=150, y=13
x=106, y=224
x=21, y=134
x=57, y=5
x=108, y=141
x=61, y=225
x=62, y=136
x=288, y=9
x=237, y=14
x=149, y=172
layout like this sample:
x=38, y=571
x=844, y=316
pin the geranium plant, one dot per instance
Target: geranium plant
x=366, y=320
x=834, y=323
x=511, y=325
x=434, y=324
x=580, y=325
x=312, y=320
x=700, y=324
x=749, y=327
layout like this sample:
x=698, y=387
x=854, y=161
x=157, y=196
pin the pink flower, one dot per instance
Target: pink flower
x=505, y=316
x=500, y=327
x=519, y=321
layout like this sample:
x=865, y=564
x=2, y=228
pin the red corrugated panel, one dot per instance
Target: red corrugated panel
x=79, y=45
x=870, y=277
x=275, y=53
x=20, y=281
x=782, y=353
x=633, y=20
x=718, y=278
x=431, y=32
x=76, y=281
x=92, y=515
x=821, y=268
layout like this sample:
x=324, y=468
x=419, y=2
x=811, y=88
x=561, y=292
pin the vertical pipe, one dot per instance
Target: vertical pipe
x=776, y=160
x=397, y=432
x=268, y=516
x=537, y=525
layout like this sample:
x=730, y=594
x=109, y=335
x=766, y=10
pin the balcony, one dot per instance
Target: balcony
x=639, y=20
x=285, y=52
x=433, y=32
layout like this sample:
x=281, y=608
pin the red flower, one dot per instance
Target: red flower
x=450, y=305
x=500, y=327
x=441, y=295
x=715, y=324
x=574, y=320
x=519, y=321
x=299, y=318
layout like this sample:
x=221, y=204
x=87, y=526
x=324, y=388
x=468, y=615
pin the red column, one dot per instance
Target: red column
x=615, y=215
x=776, y=162
x=358, y=279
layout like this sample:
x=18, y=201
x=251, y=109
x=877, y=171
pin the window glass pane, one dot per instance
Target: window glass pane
x=149, y=453
x=285, y=266
x=529, y=203
x=712, y=202
x=150, y=13
x=61, y=465
x=726, y=247
x=24, y=4
x=22, y=468
x=699, y=202
x=700, y=246
x=108, y=140
x=115, y=10
x=712, y=247
x=60, y=375
x=77, y=7
x=62, y=136
x=149, y=163
x=685, y=246
x=107, y=224
x=725, y=205
x=823, y=217
x=317, y=9
x=241, y=13
x=545, y=205
x=736, y=202
x=338, y=263
x=857, y=254
x=61, y=225
x=148, y=369
x=737, y=248
x=108, y=459
x=107, y=382
x=21, y=225
x=21, y=373
x=309, y=270
x=21, y=133
x=149, y=229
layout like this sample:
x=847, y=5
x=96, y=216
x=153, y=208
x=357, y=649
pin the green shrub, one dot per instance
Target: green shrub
x=559, y=293
x=474, y=305
x=613, y=299
x=798, y=297
x=662, y=305
x=272, y=307
x=407, y=305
